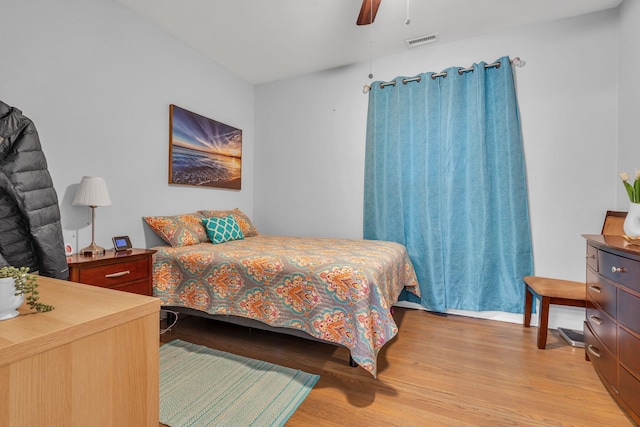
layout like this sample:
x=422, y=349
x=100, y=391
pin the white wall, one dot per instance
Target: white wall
x=311, y=137
x=629, y=94
x=97, y=82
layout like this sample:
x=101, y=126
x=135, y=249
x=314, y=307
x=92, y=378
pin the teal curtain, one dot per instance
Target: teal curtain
x=445, y=176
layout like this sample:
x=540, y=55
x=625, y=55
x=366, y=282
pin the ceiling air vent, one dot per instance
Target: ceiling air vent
x=422, y=40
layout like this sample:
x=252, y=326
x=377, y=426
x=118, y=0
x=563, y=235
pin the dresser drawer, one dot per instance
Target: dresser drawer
x=612, y=325
x=602, y=326
x=603, y=361
x=629, y=351
x=630, y=391
x=619, y=269
x=629, y=310
x=602, y=293
x=116, y=274
x=592, y=257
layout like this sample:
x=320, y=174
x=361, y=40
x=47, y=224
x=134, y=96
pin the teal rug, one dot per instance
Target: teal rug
x=200, y=386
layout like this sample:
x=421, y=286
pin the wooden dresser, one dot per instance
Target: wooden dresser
x=93, y=360
x=612, y=326
x=128, y=271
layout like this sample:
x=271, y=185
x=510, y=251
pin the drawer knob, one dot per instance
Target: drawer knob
x=593, y=351
x=118, y=274
x=615, y=269
x=596, y=320
x=591, y=256
x=595, y=289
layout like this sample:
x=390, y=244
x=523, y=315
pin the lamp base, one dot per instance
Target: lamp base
x=92, y=250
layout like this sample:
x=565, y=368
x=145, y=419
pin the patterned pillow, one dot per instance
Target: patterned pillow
x=247, y=227
x=179, y=230
x=222, y=230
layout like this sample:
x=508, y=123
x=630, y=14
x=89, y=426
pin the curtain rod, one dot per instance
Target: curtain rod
x=517, y=62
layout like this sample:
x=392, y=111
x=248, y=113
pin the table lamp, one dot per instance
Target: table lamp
x=92, y=192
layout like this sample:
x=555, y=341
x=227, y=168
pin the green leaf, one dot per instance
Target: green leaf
x=630, y=191
x=636, y=186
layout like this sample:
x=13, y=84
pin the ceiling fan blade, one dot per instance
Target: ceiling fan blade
x=368, y=12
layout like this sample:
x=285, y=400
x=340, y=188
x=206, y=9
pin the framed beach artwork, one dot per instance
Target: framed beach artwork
x=203, y=152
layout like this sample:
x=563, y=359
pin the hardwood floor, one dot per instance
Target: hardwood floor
x=438, y=371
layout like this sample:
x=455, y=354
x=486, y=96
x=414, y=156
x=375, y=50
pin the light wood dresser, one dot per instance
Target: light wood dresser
x=93, y=360
x=612, y=325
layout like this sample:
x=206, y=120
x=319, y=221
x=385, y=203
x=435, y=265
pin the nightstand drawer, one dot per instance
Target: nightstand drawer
x=112, y=275
x=128, y=271
x=139, y=287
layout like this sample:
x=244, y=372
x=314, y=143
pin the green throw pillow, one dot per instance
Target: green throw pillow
x=223, y=229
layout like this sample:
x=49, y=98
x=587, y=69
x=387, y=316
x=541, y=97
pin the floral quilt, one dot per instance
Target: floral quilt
x=336, y=290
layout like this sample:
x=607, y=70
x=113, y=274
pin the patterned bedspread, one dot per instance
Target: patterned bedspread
x=336, y=290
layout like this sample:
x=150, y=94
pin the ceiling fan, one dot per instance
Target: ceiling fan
x=368, y=12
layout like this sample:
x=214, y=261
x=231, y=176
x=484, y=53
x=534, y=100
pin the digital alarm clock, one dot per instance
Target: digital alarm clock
x=121, y=243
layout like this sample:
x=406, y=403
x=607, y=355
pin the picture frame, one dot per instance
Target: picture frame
x=203, y=152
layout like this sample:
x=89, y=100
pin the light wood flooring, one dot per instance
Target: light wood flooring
x=438, y=371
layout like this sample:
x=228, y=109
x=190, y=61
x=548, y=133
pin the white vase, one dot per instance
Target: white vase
x=632, y=221
x=9, y=302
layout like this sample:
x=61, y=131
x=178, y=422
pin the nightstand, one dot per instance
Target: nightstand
x=128, y=271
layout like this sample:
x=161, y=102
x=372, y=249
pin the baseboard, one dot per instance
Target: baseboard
x=559, y=316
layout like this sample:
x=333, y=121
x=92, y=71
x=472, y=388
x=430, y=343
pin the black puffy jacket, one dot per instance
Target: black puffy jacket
x=30, y=229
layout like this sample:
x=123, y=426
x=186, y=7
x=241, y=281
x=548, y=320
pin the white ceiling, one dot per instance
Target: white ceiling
x=267, y=40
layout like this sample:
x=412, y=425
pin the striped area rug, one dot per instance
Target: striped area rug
x=200, y=386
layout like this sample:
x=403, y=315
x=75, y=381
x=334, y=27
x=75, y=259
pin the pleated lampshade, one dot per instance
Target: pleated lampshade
x=92, y=191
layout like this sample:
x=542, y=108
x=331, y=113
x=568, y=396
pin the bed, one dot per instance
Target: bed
x=339, y=291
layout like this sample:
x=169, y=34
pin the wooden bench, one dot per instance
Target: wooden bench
x=562, y=292
x=550, y=291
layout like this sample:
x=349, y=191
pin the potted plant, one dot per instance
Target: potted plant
x=16, y=284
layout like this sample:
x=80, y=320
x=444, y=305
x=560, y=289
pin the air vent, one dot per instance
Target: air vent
x=422, y=40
